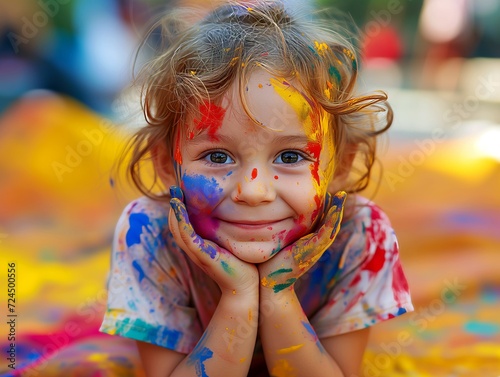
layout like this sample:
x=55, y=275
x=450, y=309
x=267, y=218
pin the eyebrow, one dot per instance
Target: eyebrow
x=228, y=140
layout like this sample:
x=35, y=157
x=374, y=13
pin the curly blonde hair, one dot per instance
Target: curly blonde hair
x=198, y=62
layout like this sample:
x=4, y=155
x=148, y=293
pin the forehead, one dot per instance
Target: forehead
x=266, y=103
x=273, y=102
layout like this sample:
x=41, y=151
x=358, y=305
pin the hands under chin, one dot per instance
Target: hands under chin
x=229, y=272
x=290, y=263
x=232, y=274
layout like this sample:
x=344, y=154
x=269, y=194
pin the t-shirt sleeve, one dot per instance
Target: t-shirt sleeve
x=371, y=285
x=148, y=297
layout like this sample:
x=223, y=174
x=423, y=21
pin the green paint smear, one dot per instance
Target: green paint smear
x=334, y=72
x=279, y=287
x=227, y=268
x=279, y=272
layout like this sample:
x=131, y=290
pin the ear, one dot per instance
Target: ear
x=163, y=164
x=344, y=166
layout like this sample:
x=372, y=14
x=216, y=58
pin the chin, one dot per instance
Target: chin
x=253, y=252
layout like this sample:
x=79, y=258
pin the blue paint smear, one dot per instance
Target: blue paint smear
x=136, y=222
x=401, y=311
x=198, y=357
x=137, y=266
x=199, y=186
x=309, y=329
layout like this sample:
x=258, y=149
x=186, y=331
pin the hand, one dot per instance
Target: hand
x=230, y=273
x=283, y=270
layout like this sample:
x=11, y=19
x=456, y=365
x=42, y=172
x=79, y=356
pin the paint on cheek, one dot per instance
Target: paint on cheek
x=201, y=192
x=316, y=212
x=177, y=153
x=314, y=148
x=254, y=173
x=211, y=119
x=202, y=195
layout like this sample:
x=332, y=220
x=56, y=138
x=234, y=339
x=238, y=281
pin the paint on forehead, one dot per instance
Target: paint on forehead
x=300, y=103
x=211, y=119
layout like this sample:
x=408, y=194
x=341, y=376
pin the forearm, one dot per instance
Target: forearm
x=227, y=346
x=290, y=344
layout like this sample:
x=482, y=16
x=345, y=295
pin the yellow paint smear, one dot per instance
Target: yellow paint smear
x=283, y=369
x=291, y=349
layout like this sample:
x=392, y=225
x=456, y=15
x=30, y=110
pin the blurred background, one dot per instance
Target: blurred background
x=65, y=113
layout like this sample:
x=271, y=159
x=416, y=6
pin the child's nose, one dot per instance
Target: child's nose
x=255, y=188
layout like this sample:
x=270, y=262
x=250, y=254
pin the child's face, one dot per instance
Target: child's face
x=251, y=189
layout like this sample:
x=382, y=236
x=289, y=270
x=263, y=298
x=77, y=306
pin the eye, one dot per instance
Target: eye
x=288, y=157
x=218, y=158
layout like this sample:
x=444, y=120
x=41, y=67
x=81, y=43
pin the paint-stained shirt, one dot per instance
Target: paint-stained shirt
x=156, y=294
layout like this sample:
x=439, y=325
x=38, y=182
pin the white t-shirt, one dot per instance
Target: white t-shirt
x=158, y=295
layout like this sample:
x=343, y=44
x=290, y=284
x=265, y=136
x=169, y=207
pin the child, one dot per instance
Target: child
x=245, y=267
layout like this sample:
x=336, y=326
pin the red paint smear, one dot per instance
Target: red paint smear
x=316, y=211
x=178, y=155
x=378, y=260
x=314, y=148
x=254, y=173
x=191, y=135
x=211, y=119
x=276, y=177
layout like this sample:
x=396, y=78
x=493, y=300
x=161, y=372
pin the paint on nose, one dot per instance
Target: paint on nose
x=254, y=173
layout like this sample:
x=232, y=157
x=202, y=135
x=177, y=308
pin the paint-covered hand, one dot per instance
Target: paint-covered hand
x=230, y=273
x=283, y=270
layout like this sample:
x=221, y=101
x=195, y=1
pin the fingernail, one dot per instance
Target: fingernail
x=176, y=192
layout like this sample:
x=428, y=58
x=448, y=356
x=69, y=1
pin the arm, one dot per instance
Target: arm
x=290, y=343
x=224, y=349
x=228, y=342
x=291, y=346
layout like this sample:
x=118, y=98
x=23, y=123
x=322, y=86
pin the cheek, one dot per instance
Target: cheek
x=202, y=194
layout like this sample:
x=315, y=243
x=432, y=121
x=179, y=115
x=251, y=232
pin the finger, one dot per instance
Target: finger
x=313, y=246
x=176, y=192
x=334, y=216
x=328, y=202
x=187, y=234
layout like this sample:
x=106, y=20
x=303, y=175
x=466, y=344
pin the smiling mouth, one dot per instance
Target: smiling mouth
x=254, y=224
